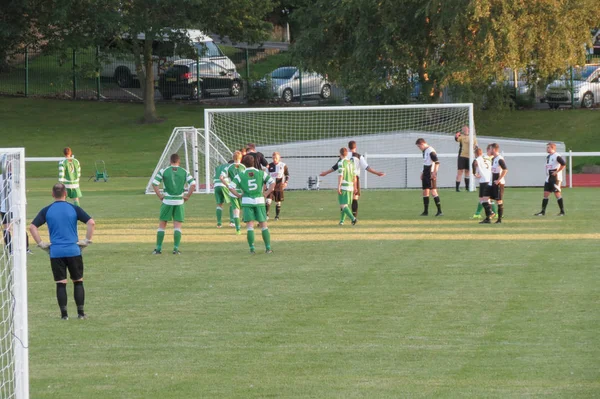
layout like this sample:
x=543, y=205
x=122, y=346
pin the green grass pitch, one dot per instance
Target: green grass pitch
x=398, y=306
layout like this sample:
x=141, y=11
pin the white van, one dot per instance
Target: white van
x=122, y=68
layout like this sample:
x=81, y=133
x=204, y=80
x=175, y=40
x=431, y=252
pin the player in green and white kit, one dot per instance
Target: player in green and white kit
x=346, y=185
x=174, y=179
x=69, y=172
x=227, y=177
x=251, y=183
x=221, y=192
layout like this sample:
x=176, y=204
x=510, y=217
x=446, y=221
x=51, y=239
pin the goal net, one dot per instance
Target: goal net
x=13, y=276
x=309, y=139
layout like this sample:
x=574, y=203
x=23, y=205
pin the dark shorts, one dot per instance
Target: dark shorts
x=428, y=182
x=72, y=263
x=497, y=191
x=6, y=217
x=357, y=187
x=463, y=163
x=276, y=195
x=552, y=185
x=485, y=190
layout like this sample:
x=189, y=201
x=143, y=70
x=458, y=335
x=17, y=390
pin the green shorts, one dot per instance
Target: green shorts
x=345, y=198
x=172, y=212
x=254, y=212
x=74, y=193
x=235, y=202
x=222, y=195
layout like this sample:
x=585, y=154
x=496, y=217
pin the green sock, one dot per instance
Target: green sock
x=219, y=215
x=230, y=214
x=342, y=216
x=160, y=236
x=348, y=212
x=495, y=207
x=267, y=238
x=176, y=239
x=250, y=237
x=479, y=209
x=76, y=202
x=237, y=223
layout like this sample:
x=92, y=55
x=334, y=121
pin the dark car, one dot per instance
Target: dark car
x=181, y=80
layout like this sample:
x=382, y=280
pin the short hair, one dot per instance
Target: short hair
x=551, y=145
x=495, y=146
x=276, y=153
x=478, y=151
x=248, y=161
x=59, y=191
x=175, y=158
x=420, y=141
x=67, y=151
x=352, y=144
x=242, y=151
x=343, y=151
x=237, y=156
x=251, y=146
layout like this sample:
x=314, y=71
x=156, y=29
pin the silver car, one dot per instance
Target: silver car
x=586, y=88
x=286, y=84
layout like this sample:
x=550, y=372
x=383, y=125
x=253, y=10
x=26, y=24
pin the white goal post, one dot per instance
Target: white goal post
x=309, y=138
x=14, y=341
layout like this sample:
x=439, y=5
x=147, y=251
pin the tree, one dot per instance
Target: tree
x=15, y=30
x=375, y=46
x=83, y=23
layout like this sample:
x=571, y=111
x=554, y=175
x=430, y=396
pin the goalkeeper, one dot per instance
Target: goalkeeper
x=64, y=247
x=69, y=172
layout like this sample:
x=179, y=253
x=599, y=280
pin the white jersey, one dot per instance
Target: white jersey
x=483, y=169
x=429, y=158
x=277, y=171
x=359, y=161
x=498, y=165
x=553, y=162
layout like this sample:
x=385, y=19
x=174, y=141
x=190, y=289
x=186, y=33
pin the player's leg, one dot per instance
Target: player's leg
x=6, y=232
x=178, y=219
x=235, y=203
x=459, y=173
x=219, y=215
x=559, y=200
x=544, y=201
x=249, y=217
x=261, y=217
x=278, y=198
x=467, y=179
x=477, y=214
x=59, y=271
x=268, y=204
x=219, y=199
x=277, y=209
x=344, y=200
x=165, y=216
x=355, y=198
x=75, y=267
x=499, y=196
x=231, y=207
x=436, y=198
x=425, y=200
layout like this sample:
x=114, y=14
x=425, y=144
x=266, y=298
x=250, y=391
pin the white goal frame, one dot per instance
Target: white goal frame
x=209, y=133
x=18, y=286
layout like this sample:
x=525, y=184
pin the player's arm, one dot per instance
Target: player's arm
x=504, y=170
x=39, y=220
x=562, y=164
x=270, y=183
x=233, y=187
x=330, y=170
x=61, y=172
x=191, y=187
x=340, y=180
x=286, y=176
x=156, y=183
x=157, y=192
x=474, y=167
x=435, y=166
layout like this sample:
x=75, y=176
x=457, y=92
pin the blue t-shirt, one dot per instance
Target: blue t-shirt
x=62, y=218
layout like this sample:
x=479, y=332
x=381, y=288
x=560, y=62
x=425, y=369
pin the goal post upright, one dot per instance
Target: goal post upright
x=472, y=138
x=207, y=133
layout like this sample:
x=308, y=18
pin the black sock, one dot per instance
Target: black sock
x=277, y=210
x=425, y=204
x=79, y=294
x=61, y=297
x=437, y=203
x=467, y=183
x=544, y=204
x=561, y=205
x=355, y=208
x=457, y=185
x=27, y=241
x=500, y=211
x=488, y=209
x=7, y=240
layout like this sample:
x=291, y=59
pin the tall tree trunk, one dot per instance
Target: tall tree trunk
x=148, y=84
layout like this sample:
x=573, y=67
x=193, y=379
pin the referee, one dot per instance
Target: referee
x=64, y=246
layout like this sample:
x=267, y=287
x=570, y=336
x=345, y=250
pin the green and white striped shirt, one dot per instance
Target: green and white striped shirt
x=174, y=179
x=347, y=170
x=69, y=171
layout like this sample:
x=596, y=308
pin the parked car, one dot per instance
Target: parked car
x=181, y=79
x=586, y=88
x=286, y=83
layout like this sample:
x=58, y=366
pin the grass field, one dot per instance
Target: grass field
x=397, y=306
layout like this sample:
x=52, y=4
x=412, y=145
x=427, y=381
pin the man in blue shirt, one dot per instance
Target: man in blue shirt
x=64, y=246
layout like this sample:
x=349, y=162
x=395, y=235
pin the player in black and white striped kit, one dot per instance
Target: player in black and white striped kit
x=429, y=177
x=279, y=172
x=499, y=171
x=554, y=167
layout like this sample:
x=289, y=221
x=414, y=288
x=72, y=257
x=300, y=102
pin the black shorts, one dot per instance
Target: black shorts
x=485, y=190
x=428, y=182
x=463, y=163
x=552, y=185
x=72, y=263
x=6, y=218
x=497, y=191
x=276, y=195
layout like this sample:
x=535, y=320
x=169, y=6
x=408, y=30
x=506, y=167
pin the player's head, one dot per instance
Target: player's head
x=352, y=145
x=248, y=161
x=251, y=147
x=495, y=148
x=276, y=157
x=550, y=148
x=343, y=152
x=465, y=130
x=242, y=151
x=421, y=143
x=59, y=191
x=478, y=152
x=175, y=159
x=237, y=157
x=67, y=152
x=488, y=150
